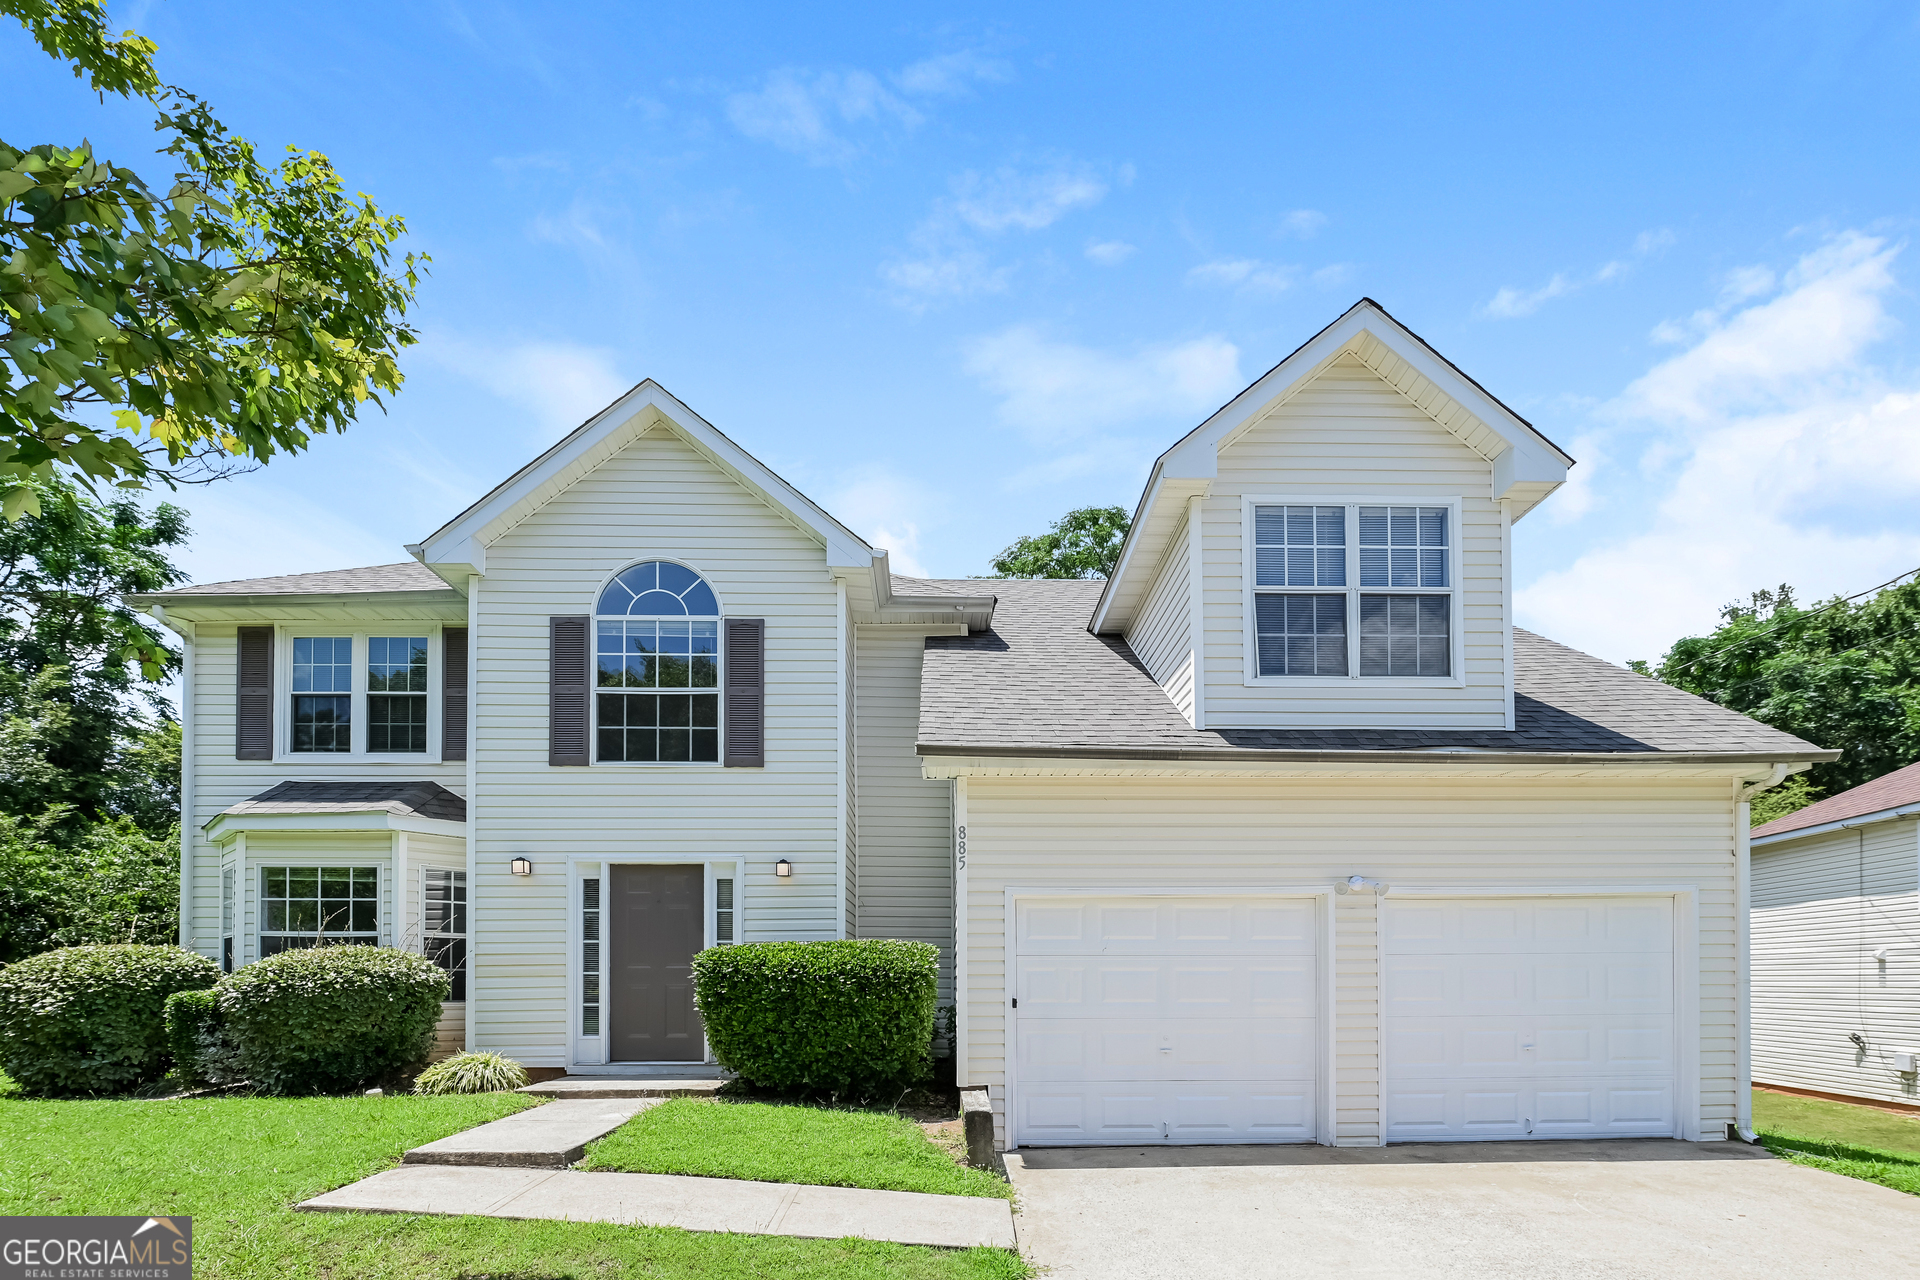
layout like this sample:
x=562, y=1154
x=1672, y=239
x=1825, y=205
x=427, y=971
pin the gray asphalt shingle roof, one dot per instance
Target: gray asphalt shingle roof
x=408, y=575
x=1039, y=680
x=414, y=799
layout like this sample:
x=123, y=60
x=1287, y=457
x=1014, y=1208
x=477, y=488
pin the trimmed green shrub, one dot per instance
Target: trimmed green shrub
x=203, y=1052
x=330, y=1019
x=89, y=1019
x=471, y=1073
x=852, y=1018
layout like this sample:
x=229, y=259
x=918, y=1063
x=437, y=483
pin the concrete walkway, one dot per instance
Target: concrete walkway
x=1619, y=1209
x=548, y=1137
x=695, y=1204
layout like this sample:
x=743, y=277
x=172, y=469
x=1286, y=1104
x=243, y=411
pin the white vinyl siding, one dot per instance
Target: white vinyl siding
x=1193, y=833
x=905, y=832
x=221, y=781
x=1345, y=436
x=656, y=498
x=1162, y=639
x=1822, y=905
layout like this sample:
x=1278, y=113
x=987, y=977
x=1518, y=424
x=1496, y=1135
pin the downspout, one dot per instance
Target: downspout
x=1743, y=947
x=187, y=886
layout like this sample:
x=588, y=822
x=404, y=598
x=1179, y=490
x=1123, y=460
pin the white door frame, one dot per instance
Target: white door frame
x=1323, y=1119
x=575, y=955
x=1686, y=975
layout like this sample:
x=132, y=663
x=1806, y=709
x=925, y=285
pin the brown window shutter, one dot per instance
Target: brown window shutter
x=744, y=674
x=567, y=690
x=253, y=707
x=453, y=693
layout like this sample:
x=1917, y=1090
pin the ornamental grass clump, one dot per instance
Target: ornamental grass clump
x=850, y=1019
x=88, y=1020
x=330, y=1019
x=471, y=1073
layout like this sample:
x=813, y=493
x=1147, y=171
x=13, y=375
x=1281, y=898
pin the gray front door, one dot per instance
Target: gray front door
x=658, y=920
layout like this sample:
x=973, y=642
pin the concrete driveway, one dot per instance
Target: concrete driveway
x=1559, y=1209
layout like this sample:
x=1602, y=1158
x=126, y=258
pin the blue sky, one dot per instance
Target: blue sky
x=953, y=271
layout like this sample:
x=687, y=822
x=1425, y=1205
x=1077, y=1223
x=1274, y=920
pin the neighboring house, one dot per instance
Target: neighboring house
x=1836, y=944
x=1283, y=834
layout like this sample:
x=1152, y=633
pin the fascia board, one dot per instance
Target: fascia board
x=423, y=606
x=1136, y=555
x=225, y=826
x=1838, y=824
x=460, y=540
x=955, y=760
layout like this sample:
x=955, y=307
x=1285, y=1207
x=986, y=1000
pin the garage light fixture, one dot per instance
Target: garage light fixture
x=783, y=868
x=521, y=866
x=1359, y=884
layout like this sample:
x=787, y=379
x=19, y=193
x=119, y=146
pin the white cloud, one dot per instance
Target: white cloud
x=1056, y=390
x=1511, y=303
x=1303, y=223
x=946, y=260
x=1784, y=457
x=1248, y=275
x=949, y=74
x=1333, y=273
x=1008, y=198
x=887, y=509
x=558, y=384
x=803, y=112
x=1110, y=253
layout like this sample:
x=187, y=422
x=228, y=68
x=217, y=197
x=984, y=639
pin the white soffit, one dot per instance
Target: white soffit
x=459, y=547
x=1526, y=465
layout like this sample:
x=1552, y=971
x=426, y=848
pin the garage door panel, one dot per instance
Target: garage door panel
x=1535, y=981
x=1563, y=925
x=1517, y=1018
x=1465, y=1048
x=1167, y=986
x=1453, y=1110
x=1165, y=1020
x=1199, y=926
x=1237, y=1111
x=1058, y=1049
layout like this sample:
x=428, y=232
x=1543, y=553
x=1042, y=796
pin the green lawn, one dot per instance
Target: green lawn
x=1860, y=1142
x=239, y=1164
x=772, y=1142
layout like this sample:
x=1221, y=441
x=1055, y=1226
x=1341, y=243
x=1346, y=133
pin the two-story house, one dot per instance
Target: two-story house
x=1285, y=833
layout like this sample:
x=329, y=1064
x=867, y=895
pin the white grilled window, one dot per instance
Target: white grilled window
x=590, y=956
x=1393, y=611
x=723, y=911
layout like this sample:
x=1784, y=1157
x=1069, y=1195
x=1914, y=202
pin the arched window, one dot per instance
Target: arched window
x=658, y=666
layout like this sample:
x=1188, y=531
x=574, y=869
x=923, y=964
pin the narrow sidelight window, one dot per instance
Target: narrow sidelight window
x=590, y=956
x=323, y=693
x=443, y=925
x=226, y=919
x=318, y=906
x=723, y=911
x=397, y=693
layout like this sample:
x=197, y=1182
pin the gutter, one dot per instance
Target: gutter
x=1445, y=755
x=184, y=600
x=1842, y=824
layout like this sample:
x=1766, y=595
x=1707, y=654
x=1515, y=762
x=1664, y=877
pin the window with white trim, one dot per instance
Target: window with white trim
x=1360, y=589
x=443, y=925
x=318, y=906
x=590, y=956
x=358, y=694
x=657, y=667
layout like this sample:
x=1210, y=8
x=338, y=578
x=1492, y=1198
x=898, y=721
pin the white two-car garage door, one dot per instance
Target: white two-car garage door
x=1164, y=1020
x=1529, y=1017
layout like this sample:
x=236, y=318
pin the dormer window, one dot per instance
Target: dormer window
x=1352, y=590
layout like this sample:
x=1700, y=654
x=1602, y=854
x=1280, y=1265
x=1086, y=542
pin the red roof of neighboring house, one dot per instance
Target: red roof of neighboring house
x=1891, y=791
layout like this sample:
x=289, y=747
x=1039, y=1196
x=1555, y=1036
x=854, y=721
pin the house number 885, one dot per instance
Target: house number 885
x=960, y=845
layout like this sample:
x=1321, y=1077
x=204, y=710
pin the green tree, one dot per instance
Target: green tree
x=1084, y=543
x=1841, y=675
x=176, y=336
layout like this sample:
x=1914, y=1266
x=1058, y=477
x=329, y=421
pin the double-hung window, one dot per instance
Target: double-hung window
x=358, y=695
x=1359, y=590
x=443, y=925
x=657, y=667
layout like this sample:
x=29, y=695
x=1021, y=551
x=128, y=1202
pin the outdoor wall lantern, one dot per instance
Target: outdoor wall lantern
x=783, y=868
x=521, y=867
x=1359, y=884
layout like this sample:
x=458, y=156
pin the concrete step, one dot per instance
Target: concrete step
x=548, y=1137
x=627, y=1087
